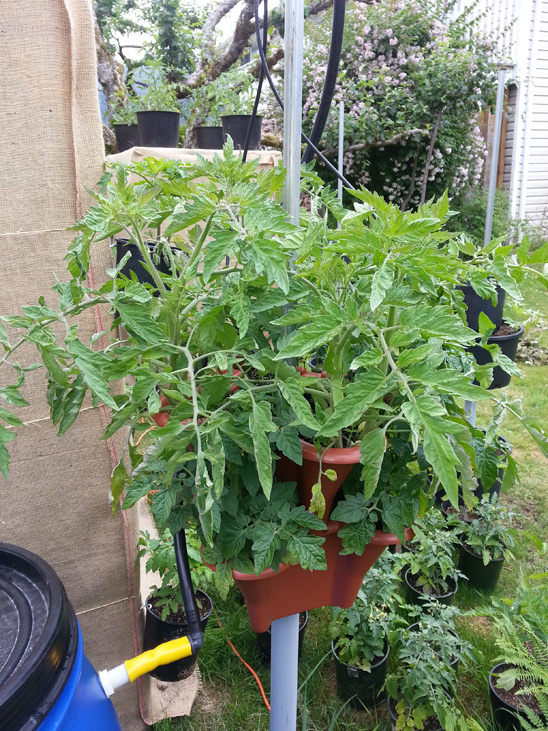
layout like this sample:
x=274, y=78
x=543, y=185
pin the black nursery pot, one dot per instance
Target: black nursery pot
x=159, y=129
x=236, y=126
x=127, y=136
x=506, y=716
x=476, y=304
x=359, y=687
x=416, y=597
x=135, y=262
x=209, y=138
x=478, y=575
x=264, y=639
x=509, y=347
x=158, y=630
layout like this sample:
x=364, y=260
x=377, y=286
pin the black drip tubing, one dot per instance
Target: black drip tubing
x=335, y=48
x=270, y=80
x=24, y=612
x=194, y=622
x=260, y=84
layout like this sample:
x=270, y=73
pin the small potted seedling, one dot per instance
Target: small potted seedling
x=122, y=116
x=486, y=542
x=165, y=618
x=160, y=114
x=360, y=636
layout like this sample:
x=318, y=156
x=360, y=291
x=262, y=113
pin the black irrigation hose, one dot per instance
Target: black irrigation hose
x=260, y=84
x=24, y=612
x=262, y=54
x=187, y=590
x=335, y=48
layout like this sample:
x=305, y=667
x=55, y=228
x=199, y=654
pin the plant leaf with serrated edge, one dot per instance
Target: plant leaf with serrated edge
x=315, y=333
x=437, y=321
x=382, y=281
x=10, y=418
x=223, y=579
x=72, y=404
x=350, y=510
x=260, y=423
x=309, y=551
x=264, y=546
x=292, y=392
x=215, y=251
x=369, y=358
x=449, y=381
x=356, y=537
x=358, y=395
x=306, y=519
x=289, y=444
x=218, y=463
x=117, y=483
x=372, y=449
x=239, y=309
x=137, y=322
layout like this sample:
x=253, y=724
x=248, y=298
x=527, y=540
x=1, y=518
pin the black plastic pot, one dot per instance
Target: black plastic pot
x=159, y=129
x=394, y=716
x=478, y=575
x=359, y=687
x=476, y=304
x=506, y=715
x=209, y=138
x=264, y=638
x=236, y=126
x=508, y=345
x=127, y=136
x=135, y=262
x=416, y=597
x=158, y=630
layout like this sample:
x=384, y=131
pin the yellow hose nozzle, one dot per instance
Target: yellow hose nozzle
x=161, y=655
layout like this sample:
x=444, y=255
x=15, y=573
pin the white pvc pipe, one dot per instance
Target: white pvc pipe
x=495, y=147
x=284, y=673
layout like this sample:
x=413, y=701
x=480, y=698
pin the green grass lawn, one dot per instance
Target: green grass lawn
x=230, y=699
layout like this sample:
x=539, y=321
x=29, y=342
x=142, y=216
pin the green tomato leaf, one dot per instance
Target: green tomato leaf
x=260, y=423
x=372, y=449
x=358, y=395
x=309, y=551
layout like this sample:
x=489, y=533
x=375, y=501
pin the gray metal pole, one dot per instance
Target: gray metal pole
x=341, y=148
x=494, y=157
x=284, y=673
x=285, y=631
x=470, y=410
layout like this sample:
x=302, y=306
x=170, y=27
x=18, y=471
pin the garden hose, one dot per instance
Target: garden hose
x=335, y=48
x=260, y=84
x=132, y=669
x=270, y=80
x=196, y=634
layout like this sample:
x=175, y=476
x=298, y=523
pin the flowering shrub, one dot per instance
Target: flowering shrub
x=412, y=83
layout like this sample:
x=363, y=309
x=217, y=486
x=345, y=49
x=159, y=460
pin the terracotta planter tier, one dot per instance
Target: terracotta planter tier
x=340, y=460
x=292, y=590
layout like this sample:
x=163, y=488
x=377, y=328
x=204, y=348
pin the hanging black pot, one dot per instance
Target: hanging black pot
x=478, y=575
x=127, y=136
x=135, y=262
x=418, y=598
x=361, y=688
x=159, y=129
x=236, y=126
x=158, y=630
x=209, y=138
x=476, y=304
x=264, y=638
x=503, y=708
x=509, y=347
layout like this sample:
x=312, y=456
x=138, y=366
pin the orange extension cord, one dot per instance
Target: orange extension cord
x=265, y=699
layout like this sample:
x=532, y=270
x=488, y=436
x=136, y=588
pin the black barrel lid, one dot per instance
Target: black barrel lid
x=38, y=638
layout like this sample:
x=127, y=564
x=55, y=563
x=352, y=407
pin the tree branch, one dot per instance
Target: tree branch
x=429, y=155
x=378, y=143
x=413, y=181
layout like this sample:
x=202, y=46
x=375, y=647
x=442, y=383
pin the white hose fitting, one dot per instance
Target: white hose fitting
x=113, y=679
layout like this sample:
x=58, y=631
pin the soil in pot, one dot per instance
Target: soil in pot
x=478, y=575
x=360, y=687
x=414, y=595
x=264, y=638
x=127, y=136
x=159, y=129
x=507, y=338
x=506, y=705
x=236, y=126
x=209, y=138
x=173, y=627
x=430, y=724
x=476, y=304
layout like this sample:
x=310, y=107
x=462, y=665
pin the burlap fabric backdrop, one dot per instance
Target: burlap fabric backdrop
x=56, y=501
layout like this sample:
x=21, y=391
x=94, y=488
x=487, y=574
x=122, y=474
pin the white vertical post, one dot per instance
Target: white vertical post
x=285, y=631
x=341, y=149
x=494, y=157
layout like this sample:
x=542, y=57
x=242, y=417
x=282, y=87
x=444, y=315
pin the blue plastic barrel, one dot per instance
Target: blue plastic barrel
x=46, y=681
